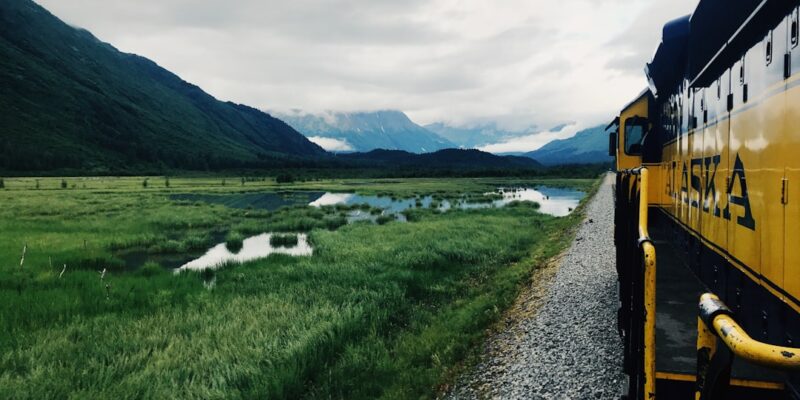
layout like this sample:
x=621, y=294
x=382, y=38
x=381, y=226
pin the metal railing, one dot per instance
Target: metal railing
x=637, y=275
x=716, y=323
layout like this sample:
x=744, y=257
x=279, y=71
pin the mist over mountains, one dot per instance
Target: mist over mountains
x=366, y=131
x=73, y=102
x=476, y=136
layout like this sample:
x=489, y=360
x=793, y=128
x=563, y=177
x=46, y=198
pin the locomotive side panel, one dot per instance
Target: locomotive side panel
x=791, y=145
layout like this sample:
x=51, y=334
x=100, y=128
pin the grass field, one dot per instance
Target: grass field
x=379, y=311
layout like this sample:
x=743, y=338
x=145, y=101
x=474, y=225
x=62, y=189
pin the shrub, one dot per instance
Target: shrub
x=150, y=269
x=234, y=241
x=2, y=183
x=284, y=178
x=278, y=240
x=384, y=219
x=63, y=183
x=334, y=222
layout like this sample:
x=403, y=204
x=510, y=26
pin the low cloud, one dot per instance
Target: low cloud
x=331, y=144
x=534, y=141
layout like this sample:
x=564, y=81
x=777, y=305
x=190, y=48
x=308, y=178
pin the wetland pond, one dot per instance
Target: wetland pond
x=253, y=248
x=558, y=202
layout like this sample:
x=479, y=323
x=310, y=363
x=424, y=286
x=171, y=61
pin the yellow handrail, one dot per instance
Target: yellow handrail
x=715, y=314
x=643, y=187
x=649, y=254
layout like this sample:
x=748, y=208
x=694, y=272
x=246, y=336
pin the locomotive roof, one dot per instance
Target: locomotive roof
x=700, y=46
x=665, y=71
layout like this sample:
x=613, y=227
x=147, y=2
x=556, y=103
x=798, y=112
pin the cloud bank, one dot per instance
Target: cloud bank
x=517, y=62
x=331, y=144
x=534, y=141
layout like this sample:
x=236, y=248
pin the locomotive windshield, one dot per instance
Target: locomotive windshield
x=635, y=130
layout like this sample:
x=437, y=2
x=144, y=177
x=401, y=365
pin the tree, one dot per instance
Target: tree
x=63, y=183
x=284, y=178
x=166, y=181
x=144, y=183
x=242, y=181
x=2, y=183
x=37, y=184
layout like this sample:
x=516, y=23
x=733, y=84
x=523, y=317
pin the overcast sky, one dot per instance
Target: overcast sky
x=519, y=63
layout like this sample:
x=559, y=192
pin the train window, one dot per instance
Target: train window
x=635, y=131
x=612, y=142
x=743, y=80
x=794, y=29
x=741, y=72
x=768, y=48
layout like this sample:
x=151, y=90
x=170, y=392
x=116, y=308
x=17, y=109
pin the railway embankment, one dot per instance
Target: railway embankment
x=559, y=340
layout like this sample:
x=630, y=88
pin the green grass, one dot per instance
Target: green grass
x=379, y=311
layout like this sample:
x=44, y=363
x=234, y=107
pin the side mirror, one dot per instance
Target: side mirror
x=612, y=144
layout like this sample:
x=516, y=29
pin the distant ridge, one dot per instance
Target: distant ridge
x=448, y=158
x=70, y=101
x=589, y=146
x=366, y=131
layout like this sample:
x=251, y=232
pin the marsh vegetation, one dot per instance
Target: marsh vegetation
x=378, y=309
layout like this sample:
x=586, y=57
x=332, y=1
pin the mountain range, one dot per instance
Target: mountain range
x=589, y=146
x=69, y=100
x=366, y=131
x=476, y=136
x=448, y=158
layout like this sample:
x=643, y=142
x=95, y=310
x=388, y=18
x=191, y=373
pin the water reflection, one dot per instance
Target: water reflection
x=553, y=201
x=253, y=248
x=331, y=199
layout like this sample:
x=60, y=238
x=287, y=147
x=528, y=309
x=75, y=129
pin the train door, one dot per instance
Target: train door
x=695, y=160
x=791, y=145
x=713, y=227
x=768, y=87
x=684, y=158
x=743, y=240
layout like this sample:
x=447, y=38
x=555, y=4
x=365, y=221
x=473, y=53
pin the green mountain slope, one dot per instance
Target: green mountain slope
x=365, y=131
x=71, y=101
x=589, y=146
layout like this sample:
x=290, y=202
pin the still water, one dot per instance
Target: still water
x=253, y=248
x=553, y=201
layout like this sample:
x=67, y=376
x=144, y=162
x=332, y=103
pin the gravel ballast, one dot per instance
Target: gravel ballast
x=559, y=341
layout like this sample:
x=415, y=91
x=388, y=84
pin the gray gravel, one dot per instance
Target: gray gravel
x=559, y=341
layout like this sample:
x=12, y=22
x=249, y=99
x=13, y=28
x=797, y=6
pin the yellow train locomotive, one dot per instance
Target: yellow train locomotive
x=707, y=208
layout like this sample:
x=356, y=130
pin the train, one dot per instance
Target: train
x=707, y=208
